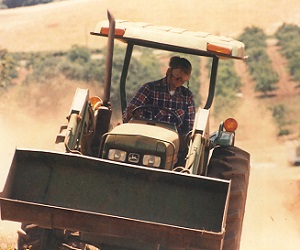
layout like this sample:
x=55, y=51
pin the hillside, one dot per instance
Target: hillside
x=59, y=25
x=272, y=219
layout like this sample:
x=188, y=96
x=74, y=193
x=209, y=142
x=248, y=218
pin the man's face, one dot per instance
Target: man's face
x=178, y=78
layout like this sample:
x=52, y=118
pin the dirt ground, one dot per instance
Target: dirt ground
x=272, y=217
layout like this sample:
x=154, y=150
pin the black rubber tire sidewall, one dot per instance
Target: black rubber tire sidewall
x=232, y=163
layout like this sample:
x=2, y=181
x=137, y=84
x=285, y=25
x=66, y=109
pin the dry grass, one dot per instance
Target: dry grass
x=59, y=25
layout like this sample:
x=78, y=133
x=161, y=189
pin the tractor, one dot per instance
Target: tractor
x=115, y=186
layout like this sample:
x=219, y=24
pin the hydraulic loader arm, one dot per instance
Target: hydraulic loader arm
x=196, y=157
x=80, y=121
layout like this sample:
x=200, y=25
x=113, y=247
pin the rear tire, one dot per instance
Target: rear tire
x=232, y=163
x=35, y=238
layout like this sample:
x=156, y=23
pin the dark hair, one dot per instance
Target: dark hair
x=181, y=63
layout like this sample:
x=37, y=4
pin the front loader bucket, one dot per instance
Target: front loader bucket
x=121, y=201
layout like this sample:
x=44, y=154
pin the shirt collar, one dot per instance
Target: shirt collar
x=178, y=91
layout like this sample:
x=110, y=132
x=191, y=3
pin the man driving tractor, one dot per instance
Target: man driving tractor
x=168, y=93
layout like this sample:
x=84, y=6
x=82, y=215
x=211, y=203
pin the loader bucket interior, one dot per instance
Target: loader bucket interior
x=157, y=206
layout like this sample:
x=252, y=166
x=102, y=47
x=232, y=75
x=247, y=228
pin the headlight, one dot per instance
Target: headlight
x=116, y=155
x=151, y=160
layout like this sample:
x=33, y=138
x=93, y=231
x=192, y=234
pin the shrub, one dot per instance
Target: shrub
x=288, y=36
x=227, y=87
x=79, y=54
x=253, y=37
x=259, y=64
x=44, y=66
x=8, y=68
x=279, y=115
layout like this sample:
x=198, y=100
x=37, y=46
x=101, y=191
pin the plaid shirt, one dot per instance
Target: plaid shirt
x=157, y=94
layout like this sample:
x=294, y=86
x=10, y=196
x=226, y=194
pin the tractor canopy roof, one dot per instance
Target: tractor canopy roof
x=173, y=39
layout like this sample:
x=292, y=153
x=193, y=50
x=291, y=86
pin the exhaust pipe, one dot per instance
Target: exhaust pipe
x=109, y=59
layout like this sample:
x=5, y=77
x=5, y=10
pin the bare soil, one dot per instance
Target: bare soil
x=31, y=118
x=272, y=218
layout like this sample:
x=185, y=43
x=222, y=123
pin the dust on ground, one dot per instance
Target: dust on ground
x=30, y=117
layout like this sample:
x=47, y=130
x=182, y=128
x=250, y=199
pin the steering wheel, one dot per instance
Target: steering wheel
x=152, y=107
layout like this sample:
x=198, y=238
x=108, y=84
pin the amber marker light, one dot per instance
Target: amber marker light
x=96, y=102
x=218, y=49
x=118, y=32
x=230, y=125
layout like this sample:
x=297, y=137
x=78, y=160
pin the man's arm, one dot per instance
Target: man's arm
x=139, y=99
x=191, y=114
x=127, y=115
